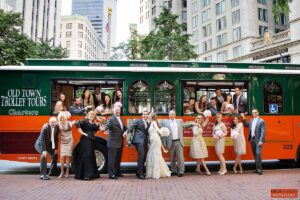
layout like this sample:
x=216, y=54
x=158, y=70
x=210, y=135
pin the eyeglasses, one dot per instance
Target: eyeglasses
x=254, y=112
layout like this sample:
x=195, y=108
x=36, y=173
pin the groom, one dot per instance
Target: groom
x=174, y=142
x=140, y=140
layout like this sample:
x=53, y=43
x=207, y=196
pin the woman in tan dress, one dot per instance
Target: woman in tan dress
x=198, y=148
x=66, y=142
x=219, y=133
x=239, y=143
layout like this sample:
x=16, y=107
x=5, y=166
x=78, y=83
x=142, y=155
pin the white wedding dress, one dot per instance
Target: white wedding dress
x=156, y=166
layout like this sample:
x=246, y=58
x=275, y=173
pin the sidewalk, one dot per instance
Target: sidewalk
x=190, y=186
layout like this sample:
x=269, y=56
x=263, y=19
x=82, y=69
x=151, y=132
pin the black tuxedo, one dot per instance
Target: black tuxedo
x=140, y=140
x=96, y=102
x=114, y=144
x=46, y=145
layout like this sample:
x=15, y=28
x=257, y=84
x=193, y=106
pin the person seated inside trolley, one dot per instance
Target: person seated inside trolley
x=58, y=107
x=87, y=100
x=201, y=105
x=192, y=104
x=227, y=106
x=62, y=98
x=212, y=106
x=187, y=109
x=78, y=109
x=107, y=107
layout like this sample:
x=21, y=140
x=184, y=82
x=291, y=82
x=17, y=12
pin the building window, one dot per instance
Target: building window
x=69, y=26
x=221, y=7
x=262, y=30
x=207, y=45
x=206, y=30
x=79, y=53
x=235, y=17
x=184, y=15
x=262, y=1
x=234, y=3
x=222, y=56
x=237, y=52
x=69, y=34
x=205, y=3
x=80, y=26
x=236, y=34
x=221, y=23
x=207, y=59
x=206, y=15
x=195, y=21
x=282, y=20
x=154, y=11
x=194, y=7
x=68, y=44
x=139, y=97
x=79, y=44
x=164, y=95
x=273, y=98
x=262, y=14
x=80, y=34
x=68, y=53
x=195, y=36
x=221, y=39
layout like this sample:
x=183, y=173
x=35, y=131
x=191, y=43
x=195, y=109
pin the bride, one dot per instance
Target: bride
x=156, y=166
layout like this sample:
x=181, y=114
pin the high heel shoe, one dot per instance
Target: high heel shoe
x=241, y=171
x=208, y=173
x=234, y=170
x=198, y=172
x=223, y=173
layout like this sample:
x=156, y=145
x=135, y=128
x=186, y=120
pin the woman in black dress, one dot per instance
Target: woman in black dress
x=85, y=163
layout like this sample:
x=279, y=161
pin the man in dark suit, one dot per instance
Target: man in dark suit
x=219, y=98
x=212, y=106
x=98, y=96
x=239, y=101
x=115, y=128
x=47, y=144
x=140, y=140
x=256, y=136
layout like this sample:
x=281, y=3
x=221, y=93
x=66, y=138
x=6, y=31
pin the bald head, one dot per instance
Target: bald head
x=53, y=121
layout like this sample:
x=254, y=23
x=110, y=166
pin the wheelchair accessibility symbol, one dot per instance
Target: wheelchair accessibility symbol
x=273, y=108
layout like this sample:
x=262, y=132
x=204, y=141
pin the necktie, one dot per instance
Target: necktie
x=145, y=124
x=52, y=138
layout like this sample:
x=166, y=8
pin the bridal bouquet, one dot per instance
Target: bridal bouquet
x=234, y=134
x=99, y=109
x=118, y=104
x=164, y=132
x=218, y=134
x=207, y=113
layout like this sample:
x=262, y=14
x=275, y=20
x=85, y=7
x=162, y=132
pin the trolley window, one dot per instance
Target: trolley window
x=139, y=97
x=273, y=98
x=164, y=95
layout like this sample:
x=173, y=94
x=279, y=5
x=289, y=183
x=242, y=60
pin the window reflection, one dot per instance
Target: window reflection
x=164, y=97
x=139, y=97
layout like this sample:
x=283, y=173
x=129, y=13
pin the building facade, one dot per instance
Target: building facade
x=80, y=39
x=97, y=12
x=41, y=18
x=150, y=9
x=224, y=30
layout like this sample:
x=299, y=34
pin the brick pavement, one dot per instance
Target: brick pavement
x=232, y=186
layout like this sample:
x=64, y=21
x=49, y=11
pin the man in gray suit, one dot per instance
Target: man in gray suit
x=140, y=140
x=174, y=142
x=47, y=144
x=239, y=101
x=256, y=136
x=115, y=128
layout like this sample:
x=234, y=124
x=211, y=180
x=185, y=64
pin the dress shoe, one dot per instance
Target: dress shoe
x=180, y=175
x=44, y=177
x=142, y=177
x=173, y=173
x=113, y=177
x=120, y=175
x=259, y=172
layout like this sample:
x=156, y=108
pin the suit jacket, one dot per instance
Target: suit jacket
x=115, y=136
x=168, y=141
x=140, y=131
x=75, y=110
x=212, y=109
x=242, y=103
x=219, y=103
x=260, y=129
x=96, y=102
x=44, y=142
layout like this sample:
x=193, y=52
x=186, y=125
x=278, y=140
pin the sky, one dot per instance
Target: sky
x=127, y=13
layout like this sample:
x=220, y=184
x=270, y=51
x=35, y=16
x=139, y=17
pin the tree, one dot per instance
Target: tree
x=280, y=6
x=15, y=46
x=168, y=41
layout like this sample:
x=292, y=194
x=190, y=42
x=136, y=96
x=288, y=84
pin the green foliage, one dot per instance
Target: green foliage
x=15, y=46
x=280, y=6
x=168, y=41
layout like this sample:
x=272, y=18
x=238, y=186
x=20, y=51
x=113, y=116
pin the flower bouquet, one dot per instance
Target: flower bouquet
x=207, y=113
